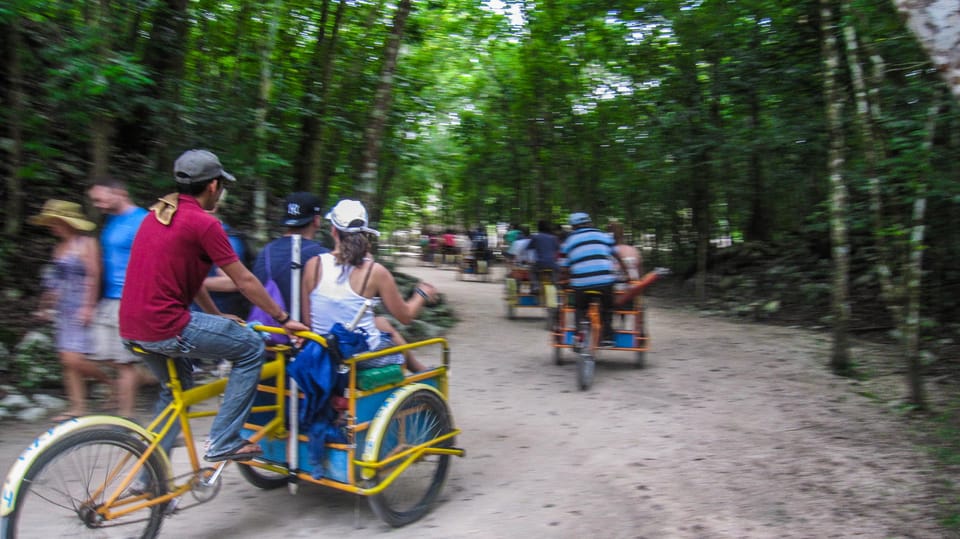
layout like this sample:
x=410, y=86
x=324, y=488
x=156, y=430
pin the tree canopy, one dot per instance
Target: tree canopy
x=690, y=122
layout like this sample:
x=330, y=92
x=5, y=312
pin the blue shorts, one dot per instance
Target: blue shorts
x=386, y=341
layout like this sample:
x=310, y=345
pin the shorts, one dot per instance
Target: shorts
x=391, y=359
x=106, y=332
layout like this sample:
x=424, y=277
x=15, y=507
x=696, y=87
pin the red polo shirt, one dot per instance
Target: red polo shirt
x=166, y=270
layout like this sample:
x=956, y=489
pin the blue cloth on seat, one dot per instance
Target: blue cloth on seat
x=315, y=371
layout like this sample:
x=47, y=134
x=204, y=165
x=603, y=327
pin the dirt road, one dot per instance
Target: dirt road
x=731, y=430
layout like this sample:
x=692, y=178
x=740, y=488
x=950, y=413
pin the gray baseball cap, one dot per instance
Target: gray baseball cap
x=196, y=166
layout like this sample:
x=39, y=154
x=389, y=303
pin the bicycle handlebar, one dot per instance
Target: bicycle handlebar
x=280, y=331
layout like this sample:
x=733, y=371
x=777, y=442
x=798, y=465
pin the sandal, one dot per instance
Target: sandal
x=246, y=451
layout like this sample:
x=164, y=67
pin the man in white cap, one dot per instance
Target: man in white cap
x=337, y=285
x=171, y=256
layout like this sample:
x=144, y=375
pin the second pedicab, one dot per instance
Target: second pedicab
x=527, y=289
x=475, y=266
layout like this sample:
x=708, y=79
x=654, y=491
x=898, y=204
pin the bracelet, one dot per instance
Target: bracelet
x=286, y=318
x=426, y=298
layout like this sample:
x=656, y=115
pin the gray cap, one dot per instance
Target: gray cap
x=196, y=166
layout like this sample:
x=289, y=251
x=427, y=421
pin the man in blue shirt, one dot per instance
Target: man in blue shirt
x=110, y=196
x=544, y=246
x=302, y=215
x=589, y=254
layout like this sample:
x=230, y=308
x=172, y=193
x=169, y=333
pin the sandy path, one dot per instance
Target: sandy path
x=732, y=430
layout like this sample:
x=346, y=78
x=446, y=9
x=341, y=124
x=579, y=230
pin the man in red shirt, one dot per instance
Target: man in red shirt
x=171, y=255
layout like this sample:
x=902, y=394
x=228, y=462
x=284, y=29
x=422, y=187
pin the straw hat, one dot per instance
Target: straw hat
x=68, y=212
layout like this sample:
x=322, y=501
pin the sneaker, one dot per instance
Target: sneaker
x=171, y=507
x=138, y=487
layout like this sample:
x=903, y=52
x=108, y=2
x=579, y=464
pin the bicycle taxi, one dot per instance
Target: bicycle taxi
x=629, y=328
x=474, y=265
x=107, y=476
x=526, y=289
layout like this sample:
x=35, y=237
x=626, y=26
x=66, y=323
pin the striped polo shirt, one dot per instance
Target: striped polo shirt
x=588, y=253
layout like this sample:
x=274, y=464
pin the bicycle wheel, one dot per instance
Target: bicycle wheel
x=262, y=478
x=419, y=417
x=585, y=368
x=63, y=489
x=585, y=361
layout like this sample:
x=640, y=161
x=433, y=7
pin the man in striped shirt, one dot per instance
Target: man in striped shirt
x=588, y=254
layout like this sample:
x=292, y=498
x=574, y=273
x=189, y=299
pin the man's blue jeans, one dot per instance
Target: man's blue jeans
x=209, y=337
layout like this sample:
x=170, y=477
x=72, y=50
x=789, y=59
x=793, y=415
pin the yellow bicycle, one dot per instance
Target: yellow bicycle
x=107, y=476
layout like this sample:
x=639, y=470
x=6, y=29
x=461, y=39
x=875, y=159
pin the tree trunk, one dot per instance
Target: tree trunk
x=164, y=56
x=911, y=334
x=327, y=148
x=304, y=164
x=936, y=24
x=759, y=227
x=261, y=231
x=319, y=180
x=840, y=358
x=913, y=274
x=101, y=132
x=382, y=103
x=101, y=124
x=14, y=114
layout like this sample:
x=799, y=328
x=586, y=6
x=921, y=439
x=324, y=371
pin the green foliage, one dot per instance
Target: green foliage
x=652, y=113
x=34, y=363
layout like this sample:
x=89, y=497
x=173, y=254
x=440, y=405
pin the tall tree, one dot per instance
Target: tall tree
x=260, y=118
x=152, y=132
x=13, y=117
x=834, y=101
x=101, y=124
x=305, y=167
x=936, y=24
x=380, y=110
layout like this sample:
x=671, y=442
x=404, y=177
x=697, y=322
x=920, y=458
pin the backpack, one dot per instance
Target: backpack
x=273, y=290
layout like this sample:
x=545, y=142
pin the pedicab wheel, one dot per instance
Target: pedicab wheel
x=62, y=491
x=262, y=478
x=585, y=367
x=641, y=360
x=585, y=361
x=414, y=418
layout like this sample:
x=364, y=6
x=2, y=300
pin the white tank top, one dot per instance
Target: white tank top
x=333, y=300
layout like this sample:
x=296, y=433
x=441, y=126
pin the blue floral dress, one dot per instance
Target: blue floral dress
x=67, y=280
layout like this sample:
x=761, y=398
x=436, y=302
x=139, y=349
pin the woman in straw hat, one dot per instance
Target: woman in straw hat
x=72, y=290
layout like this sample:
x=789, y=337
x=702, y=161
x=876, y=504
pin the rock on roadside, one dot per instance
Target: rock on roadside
x=20, y=406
